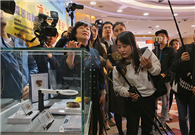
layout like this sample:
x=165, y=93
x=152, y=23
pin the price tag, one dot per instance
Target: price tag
x=46, y=119
x=27, y=108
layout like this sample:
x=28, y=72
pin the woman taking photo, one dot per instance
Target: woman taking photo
x=127, y=47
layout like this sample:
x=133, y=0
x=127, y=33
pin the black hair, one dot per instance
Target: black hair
x=107, y=22
x=117, y=23
x=171, y=42
x=74, y=29
x=63, y=33
x=97, y=44
x=128, y=38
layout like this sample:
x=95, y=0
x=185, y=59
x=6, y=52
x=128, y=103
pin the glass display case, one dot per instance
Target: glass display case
x=59, y=93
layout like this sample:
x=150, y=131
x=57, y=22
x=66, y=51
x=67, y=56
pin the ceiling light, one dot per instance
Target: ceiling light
x=149, y=32
x=175, y=14
x=157, y=26
x=192, y=25
x=93, y=3
x=146, y=14
x=119, y=10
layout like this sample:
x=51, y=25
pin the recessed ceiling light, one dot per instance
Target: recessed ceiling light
x=146, y=14
x=119, y=10
x=149, y=32
x=175, y=14
x=93, y=3
x=157, y=26
x=192, y=25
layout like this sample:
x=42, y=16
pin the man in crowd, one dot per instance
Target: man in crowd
x=15, y=66
x=48, y=63
x=108, y=41
x=166, y=56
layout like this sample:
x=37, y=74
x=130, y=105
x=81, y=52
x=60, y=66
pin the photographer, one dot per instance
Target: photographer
x=127, y=47
x=15, y=66
x=183, y=66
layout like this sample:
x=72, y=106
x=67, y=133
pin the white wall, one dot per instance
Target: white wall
x=142, y=44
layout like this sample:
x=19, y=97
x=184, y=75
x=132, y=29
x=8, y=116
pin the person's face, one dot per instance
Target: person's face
x=83, y=33
x=176, y=45
x=107, y=30
x=165, y=38
x=124, y=50
x=51, y=40
x=118, y=29
x=94, y=32
x=3, y=21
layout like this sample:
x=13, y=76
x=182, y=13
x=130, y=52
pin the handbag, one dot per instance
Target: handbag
x=159, y=84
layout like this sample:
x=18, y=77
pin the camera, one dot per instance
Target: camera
x=46, y=26
x=8, y=6
x=156, y=40
x=73, y=6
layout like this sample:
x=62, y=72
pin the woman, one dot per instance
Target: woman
x=100, y=47
x=139, y=78
x=80, y=38
x=116, y=101
x=175, y=44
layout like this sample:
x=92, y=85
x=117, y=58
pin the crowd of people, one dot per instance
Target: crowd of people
x=110, y=97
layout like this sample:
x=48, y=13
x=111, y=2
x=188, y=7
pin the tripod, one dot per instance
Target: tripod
x=133, y=89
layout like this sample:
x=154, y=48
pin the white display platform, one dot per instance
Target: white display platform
x=61, y=108
x=21, y=118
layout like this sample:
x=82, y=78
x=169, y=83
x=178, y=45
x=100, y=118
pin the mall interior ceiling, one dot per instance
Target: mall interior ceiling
x=145, y=17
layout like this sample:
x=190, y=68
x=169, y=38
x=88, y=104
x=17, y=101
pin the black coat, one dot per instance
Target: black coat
x=167, y=57
x=184, y=72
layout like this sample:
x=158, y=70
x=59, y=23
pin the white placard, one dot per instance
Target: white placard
x=37, y=82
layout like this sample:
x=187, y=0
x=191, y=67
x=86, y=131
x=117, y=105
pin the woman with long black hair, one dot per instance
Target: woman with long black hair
x=128, y=49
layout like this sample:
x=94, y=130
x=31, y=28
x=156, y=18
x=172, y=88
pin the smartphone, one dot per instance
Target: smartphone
x=116, y=56
x=147, y=53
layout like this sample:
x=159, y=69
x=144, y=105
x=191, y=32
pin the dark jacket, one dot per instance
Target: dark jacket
x=62, y=42
x=167, y=57
x=42, y=61
x=184, y=71
x=103, y=40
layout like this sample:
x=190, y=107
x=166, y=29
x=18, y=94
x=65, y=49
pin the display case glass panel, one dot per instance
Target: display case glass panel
x=60, y=89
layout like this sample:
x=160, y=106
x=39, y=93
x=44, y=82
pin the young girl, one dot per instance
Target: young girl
x=139, y=78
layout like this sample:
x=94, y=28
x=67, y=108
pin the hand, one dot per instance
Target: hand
x=25, y=92
x=133, y=96
x=49, y=55
x=193, y=90
x=163, y=75
x=102, y=100
x=146, y=62
x=73, y=44
x=185, y=56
